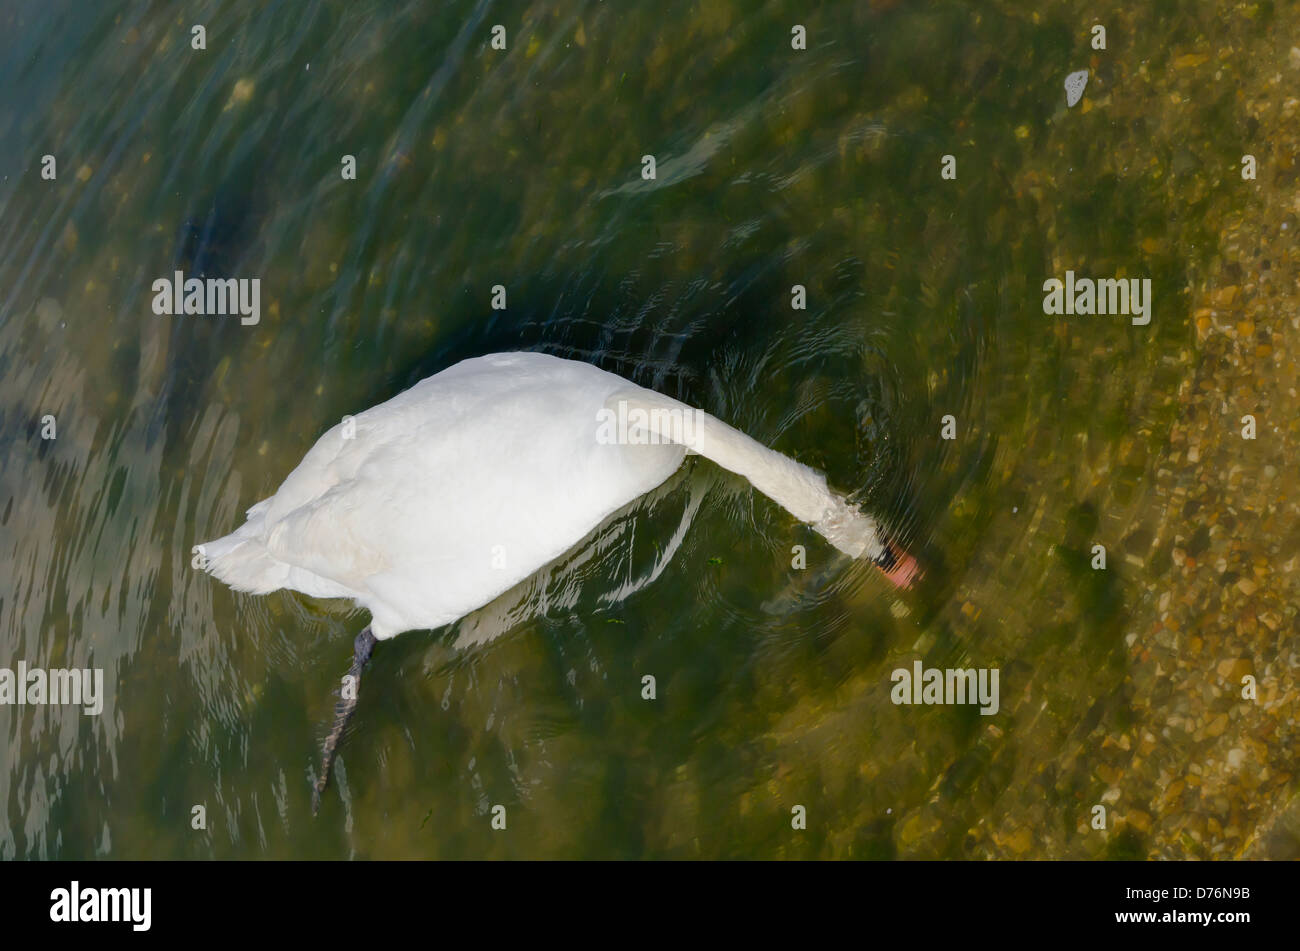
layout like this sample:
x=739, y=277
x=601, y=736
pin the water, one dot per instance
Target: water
x=522, y=168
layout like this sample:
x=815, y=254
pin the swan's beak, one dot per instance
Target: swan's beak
x=899, y=567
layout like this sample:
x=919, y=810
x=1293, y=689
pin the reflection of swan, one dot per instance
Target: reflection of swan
x=429, y=506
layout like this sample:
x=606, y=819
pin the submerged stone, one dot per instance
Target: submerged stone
x=1074, y=85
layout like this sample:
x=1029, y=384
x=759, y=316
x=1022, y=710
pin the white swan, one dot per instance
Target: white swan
x=428, y=506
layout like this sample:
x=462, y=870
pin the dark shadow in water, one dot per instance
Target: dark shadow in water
x=214, y=241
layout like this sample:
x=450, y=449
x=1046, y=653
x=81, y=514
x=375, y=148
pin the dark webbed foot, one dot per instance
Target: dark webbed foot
x=362, y=648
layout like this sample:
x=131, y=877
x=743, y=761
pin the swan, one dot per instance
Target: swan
x=424, y=508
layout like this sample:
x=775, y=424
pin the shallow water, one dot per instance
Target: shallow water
x=521, y=168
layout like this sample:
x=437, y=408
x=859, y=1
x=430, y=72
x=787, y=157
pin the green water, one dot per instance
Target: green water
x=478, y=167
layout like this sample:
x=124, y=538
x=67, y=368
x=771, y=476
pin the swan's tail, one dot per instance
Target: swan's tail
x=241, y=560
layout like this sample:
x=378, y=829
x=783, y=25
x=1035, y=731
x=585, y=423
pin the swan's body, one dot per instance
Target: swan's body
x=428, y=506
x=446, y=495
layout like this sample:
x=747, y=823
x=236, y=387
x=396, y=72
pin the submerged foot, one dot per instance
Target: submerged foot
x=362, y=647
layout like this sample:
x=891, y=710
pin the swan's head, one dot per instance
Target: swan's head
x=898, y=566
x=858, y=535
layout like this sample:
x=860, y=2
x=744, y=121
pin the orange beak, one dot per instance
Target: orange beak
x=903, y=571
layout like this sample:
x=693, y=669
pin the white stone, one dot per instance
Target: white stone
x=1074, y=84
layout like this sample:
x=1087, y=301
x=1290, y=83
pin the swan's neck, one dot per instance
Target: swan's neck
x=799, y=489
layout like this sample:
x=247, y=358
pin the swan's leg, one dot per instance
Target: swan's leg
x=361, y=650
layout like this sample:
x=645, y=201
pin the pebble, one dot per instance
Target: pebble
x=1074, y=86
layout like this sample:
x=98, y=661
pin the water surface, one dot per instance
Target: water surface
x=521, y=168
